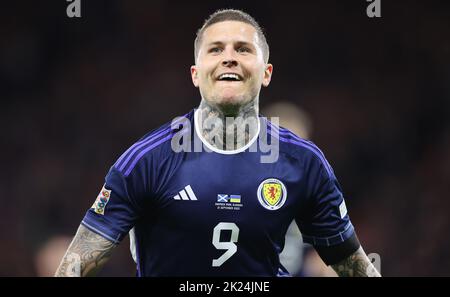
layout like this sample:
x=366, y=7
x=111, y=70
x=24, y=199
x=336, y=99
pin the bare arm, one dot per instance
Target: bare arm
x=87, y=253
x=357, y=264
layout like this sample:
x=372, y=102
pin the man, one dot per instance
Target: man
x=223, y=211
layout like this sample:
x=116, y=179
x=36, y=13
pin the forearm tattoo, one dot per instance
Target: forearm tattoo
x=358, y=264
x=87, y=253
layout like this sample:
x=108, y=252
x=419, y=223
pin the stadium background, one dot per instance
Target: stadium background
x=75, y=93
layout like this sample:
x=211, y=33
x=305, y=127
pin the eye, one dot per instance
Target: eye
x=243, y=49
x=215, y=50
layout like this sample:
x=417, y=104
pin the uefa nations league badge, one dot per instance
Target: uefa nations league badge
x=101, y=201
x=272, y=194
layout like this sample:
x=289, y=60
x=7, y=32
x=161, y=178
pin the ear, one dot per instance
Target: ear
x=194, y=75
x=267, y=75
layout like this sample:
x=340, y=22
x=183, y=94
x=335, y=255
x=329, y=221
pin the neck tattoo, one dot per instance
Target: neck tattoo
x=229, y=129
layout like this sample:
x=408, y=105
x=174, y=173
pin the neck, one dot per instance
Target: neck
x=229, y=128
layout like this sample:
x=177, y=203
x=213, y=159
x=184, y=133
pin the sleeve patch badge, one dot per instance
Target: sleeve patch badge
x=343, y=209
x=101, y=201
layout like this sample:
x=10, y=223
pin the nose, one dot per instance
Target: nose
x=229, y=60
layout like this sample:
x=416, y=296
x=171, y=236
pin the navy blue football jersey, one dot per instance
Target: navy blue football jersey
x=197, y=212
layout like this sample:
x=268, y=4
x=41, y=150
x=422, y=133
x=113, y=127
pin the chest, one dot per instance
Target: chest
x=208, y=189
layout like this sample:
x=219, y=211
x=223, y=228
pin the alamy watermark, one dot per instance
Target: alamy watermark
x=231, y=134
x=375, y=259
x=74, y=8
x=374, y=9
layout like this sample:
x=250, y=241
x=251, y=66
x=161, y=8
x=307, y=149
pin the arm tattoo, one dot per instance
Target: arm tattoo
x=87, y=253
x=357, y=264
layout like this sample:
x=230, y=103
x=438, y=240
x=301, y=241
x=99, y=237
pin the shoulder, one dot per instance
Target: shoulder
x=297, y=147
x=153, y=146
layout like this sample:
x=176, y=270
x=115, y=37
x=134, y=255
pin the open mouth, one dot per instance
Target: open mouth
x=229, y=77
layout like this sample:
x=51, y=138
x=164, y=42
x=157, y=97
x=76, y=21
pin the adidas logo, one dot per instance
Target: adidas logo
x=186, y=194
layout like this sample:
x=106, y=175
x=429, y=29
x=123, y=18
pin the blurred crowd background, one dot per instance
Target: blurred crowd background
x=372, y=93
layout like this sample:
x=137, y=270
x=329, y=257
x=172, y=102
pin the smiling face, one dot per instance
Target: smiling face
x=230, y=67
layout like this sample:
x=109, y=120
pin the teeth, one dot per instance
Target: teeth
x=229, y=75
